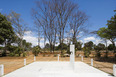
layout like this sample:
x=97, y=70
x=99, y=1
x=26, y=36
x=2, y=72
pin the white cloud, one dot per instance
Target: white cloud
x=29, y=37
x=57, y=44
x=96, y=40
x=28, y=32
x=109, y=42
x=66, y=40
x=89, y=38
x=32, y=38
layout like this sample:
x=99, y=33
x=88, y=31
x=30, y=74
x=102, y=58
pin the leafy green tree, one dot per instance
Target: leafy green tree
x=106, y=33
x=11, y=48
x=109, y=33
x=18, y=51
x=112, y=30
x=87, y=48
x=78, y=45
x=98, y=48
x=24, y=44
x=28, y=45
x=86, y=51
x=36, y=50
x=64, y=46
x=47, y=46
x=112, y=26
x=110, y=47
x=6, y=32
x=89, y=45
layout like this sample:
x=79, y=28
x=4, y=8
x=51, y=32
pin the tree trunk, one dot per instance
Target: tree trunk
x=114, y=46
x=106, y=49
x=5, y=48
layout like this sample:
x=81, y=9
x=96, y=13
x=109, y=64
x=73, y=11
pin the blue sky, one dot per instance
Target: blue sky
x=99, y=11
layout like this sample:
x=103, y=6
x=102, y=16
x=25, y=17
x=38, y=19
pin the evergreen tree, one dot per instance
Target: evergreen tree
x=6, y=32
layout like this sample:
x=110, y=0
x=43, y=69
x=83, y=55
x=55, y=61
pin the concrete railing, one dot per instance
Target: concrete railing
x=24, y=62
x=1, y=70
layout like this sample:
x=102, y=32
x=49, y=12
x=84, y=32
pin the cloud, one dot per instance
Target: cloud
x=57, y=44
x=29, y=37
x=28, y=32
x=89, y=38
x=33, y=38
x=96, y=40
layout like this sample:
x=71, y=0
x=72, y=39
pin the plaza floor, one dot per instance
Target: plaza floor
x=57, y=69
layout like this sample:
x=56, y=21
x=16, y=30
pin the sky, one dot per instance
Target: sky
x=98, y=11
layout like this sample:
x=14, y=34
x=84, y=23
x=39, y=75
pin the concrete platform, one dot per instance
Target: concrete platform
x=57, y=69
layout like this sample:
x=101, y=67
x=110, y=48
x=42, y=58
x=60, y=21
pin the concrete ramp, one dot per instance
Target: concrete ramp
x=57, y=69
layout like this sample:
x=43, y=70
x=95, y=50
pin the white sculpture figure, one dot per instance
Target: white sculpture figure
x=72, y=55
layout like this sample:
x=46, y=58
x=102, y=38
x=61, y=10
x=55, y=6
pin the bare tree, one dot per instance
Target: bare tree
x=44, y=14
x=37, y=28
x=18, y=25
x=63, y=10
x=76, y=23
x=53, y=16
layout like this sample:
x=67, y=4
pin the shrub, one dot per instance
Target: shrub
x=1, y=48
x=24, y=54
x=55, y=55
x=4, y=53
x=86, y=51
x=18, y=51
x=12, y=48
x=17, y=55
x=86, y=54
x=12, y=54
x=62, y=54
x=36, y=50
x=15, y=50
x=68, y=51
x=98, y=55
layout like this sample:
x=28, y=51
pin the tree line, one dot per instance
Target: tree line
x=11, y=35
x=108, y=33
